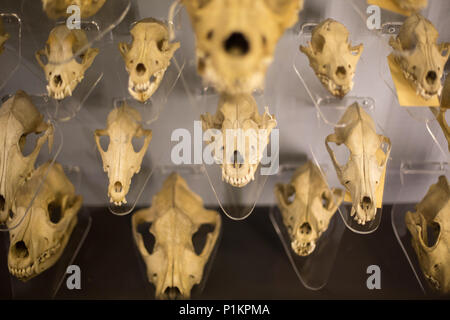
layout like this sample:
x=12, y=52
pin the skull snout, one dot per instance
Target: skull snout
x=19, y=250
x=57, y=80
x=366, y=203
x=237, y=159
x=431, y=77
x=305, y=229
x=173, y=293
x=118, y=187
x=236, y=44
x=341, y=72
x=140, y=69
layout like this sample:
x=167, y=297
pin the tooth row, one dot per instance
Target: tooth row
x=238, y=181
x=118, y=203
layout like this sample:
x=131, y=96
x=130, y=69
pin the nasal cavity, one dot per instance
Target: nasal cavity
x=341, y=72
x=57, y=80
x=237, y=160
x=20, y=250
x=173, y=293
x=431, y=77
x=305, y=229
x=2, y=203
x=118, y=187
x=366, y=203
x=236, y=44
x=140, y=69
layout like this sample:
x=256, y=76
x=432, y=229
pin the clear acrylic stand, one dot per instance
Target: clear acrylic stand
x=11, y=54
x=416, y=178
x=195, y=178
x=44, y=156
x=47, y=284
x=313, y=270
x=39, y=25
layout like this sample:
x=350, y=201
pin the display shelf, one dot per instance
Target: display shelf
x=416, y=178
x=11, y=54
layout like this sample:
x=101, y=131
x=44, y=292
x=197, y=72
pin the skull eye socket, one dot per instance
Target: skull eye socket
x=433, y=230
x=138, y=143
x=104, y=143
x=147, y=237
x=325, y=200
x=54, y=212
x=27, y=143
x=199, y=237
x=290, y=194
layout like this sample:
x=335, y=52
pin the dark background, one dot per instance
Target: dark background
x=250, y=264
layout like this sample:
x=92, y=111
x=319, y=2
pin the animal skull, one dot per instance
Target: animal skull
x=18, y=118
x=332, y=56
x=175, y=264
x=148, y=57
x=63, y=71
x=58, y=8
x=120, y=160
x=362, y=173
x=419, y=56
x=39, y=240
x=412, y=5
x=3, y=35
x=307, y=205
x=430, y=231
x=244, y=136
x=236, y=39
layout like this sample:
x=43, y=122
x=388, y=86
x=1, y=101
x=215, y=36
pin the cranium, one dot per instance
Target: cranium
x=148, y=57
x=236, y=39
x=58, y=8
x=63, y=71
x=419, y=56
x=307, y=205
x=363, y=171
x=3, y=35
x=440, y=114
x=39, y=240
x=430, y=232
x=332, y=56
x=412, y=5
x=120, y=160
x=175, y=264
x=18, y=118
x=244, y=135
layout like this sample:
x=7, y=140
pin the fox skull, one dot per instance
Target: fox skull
x=236, y=39
x=307, y=205
x=62, y=71
x=18, y=119
x=430, y=232
x=363, y=172
x=120, y=160
x=332, y=56
x=38, y=241
x=58, y=8
x=419, y=56
x=244, y=135
x=147, y=58
x=175, y=264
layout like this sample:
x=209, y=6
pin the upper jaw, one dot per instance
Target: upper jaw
x=142, y=90
x=238, y=177
x=335, y=89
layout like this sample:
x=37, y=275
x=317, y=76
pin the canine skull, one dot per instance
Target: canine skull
x=419, y=56
x=3, y=36
x=58, y=8
x=120, y=159
x=175, y=264
x=148, y=57
x=63, y=71
x=362, y=173
x=332, y=56
x=236, y=39
x=430, y=231
x=412, y=5
x=37, y=243
x=18, y=118
x=244, y=136
x=307, y=206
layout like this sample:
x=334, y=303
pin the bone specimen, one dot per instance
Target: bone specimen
x=332, y=56
x=58, y=8
x=148, y=57
x=244, y=136
x=430, y=231
x=419, y=56
x=440, y=114
x=363, y=171
x=175, y=264
x=412, y=5
x=63, y=72
x=236, y=39
x=307, y=206
x=120, y=160
x=3, y=35
x=39, y=240
x=18, y=118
